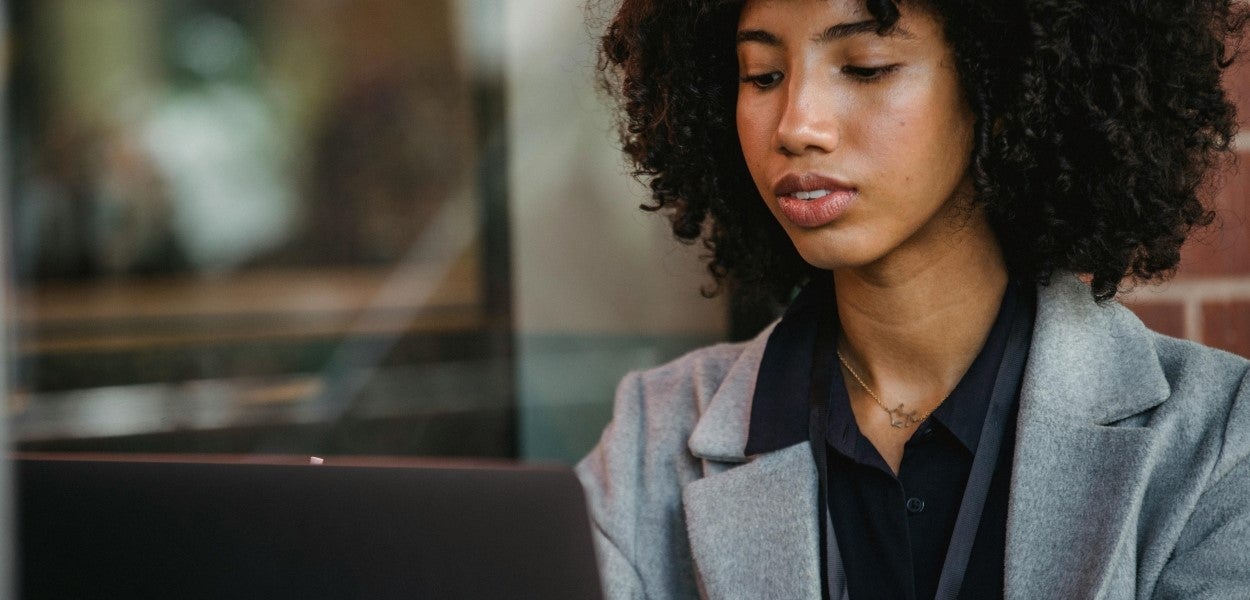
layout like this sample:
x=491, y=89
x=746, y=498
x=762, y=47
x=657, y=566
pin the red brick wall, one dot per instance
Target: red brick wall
x=1209, y=299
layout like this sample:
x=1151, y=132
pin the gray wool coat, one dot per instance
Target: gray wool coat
x=1131, y=472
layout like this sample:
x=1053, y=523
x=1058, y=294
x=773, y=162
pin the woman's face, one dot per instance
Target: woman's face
x=859, y=143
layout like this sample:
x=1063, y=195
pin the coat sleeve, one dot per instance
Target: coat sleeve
x=1212, y=556
x=633, y=481
x=609, y=475
x=619, y=577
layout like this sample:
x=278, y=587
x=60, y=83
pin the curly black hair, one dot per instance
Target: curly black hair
x=1100, y=126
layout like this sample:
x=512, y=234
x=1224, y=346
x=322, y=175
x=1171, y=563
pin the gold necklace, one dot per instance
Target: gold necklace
x=899, y=418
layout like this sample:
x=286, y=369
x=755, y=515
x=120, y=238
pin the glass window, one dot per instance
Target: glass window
x=258, y=227
x=322, y=227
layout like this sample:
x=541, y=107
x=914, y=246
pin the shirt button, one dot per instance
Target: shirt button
x=915, y=505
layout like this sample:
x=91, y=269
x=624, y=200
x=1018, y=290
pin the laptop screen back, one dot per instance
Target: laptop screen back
x=124, y=529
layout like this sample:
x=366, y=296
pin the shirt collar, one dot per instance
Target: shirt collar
x=779, y=410
x=779, y=406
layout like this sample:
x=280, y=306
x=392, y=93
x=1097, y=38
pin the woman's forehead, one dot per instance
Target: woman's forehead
x=825, y=21
x=848, y=9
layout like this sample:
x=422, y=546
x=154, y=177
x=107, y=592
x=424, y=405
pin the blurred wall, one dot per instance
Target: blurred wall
x=1209, y=299
x=600, y=287
x=7, y=586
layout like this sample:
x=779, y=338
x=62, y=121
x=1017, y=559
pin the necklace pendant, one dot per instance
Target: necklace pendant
x=900, y=418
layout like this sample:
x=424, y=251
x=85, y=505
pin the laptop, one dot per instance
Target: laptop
x=186, y=527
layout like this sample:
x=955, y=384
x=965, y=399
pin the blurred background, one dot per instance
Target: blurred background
x=325, y=227
x=361, y=227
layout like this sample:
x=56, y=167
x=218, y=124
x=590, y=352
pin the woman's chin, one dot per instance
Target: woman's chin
x=831, y=256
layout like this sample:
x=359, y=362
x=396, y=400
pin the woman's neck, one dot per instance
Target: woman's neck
x=913, y=323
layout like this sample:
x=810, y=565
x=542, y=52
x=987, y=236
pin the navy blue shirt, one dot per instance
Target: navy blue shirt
x=893, y=531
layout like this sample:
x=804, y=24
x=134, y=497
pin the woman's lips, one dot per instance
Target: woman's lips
x=810, y=200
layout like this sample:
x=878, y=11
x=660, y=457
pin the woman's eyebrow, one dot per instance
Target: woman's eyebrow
x=845, y=30
x=758, y=36
x=833, y=33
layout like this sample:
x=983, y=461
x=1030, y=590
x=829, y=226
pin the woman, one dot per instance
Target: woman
x=953, y=405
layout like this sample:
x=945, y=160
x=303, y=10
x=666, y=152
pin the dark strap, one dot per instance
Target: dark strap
x=833, y=568
x=833, y=580
x=1001, y=400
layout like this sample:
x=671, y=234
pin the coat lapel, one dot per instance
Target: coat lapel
x=1082, y=454
x=752, y=528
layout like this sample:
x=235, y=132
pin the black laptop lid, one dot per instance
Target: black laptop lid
x=120, y=529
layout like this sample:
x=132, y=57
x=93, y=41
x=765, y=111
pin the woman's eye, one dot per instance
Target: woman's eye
x=866, y=74
x=762, y=81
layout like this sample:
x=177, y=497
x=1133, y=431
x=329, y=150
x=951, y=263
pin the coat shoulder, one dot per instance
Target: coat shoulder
x=664, y=404
x=1197, y=501
x=634, y=476
x=661, y=405
x=1210, y=397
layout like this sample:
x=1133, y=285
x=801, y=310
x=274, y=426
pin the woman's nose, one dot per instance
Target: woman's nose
x=808, y=123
